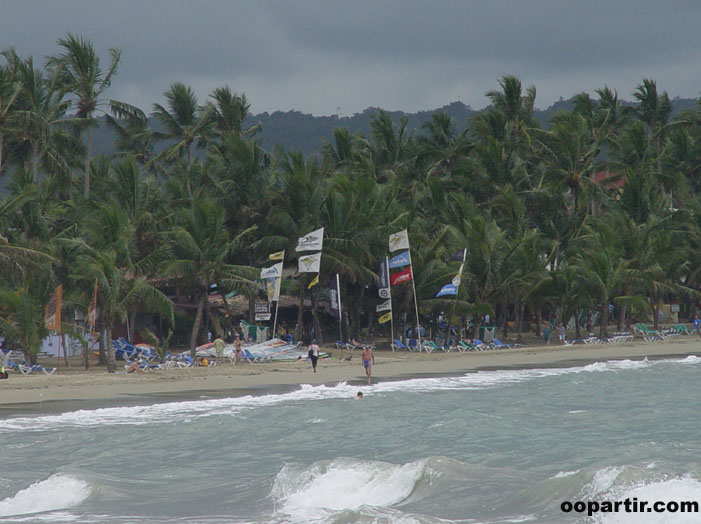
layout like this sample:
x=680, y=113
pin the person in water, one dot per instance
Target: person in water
x=368, y=361
x=359, y=395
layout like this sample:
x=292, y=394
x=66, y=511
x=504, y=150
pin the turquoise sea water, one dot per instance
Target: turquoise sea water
x=485, y=447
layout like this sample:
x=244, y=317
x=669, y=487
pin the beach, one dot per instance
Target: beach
x=78, y=385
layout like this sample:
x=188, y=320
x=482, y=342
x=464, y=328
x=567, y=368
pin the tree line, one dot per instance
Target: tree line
x=599, y=208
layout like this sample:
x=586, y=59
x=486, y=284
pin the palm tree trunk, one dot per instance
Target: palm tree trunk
x=35, y=161
x=102, y=357
x=196, y=327
x=603, y=332
x=111, y=362
x=2, y=146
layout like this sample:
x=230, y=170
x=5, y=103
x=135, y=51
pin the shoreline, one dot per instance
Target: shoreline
x=23, y=394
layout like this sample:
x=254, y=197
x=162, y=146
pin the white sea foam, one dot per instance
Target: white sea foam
x=603, y=480
x=562, y=474
x=343, y=484
x=677, y=490
x=58, y=492
x=183, y=412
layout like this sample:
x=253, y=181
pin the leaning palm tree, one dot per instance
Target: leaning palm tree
x=77, y=70
x=9, y=90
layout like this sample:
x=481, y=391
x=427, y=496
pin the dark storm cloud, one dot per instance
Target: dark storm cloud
x=323, y=57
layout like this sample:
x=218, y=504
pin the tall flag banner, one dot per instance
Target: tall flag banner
x=312, y=241
x=92, y=309
x=385, y=306
x=402, y=276
x=385, y=318
x=309, y=263
x=399, y=240
x=274, y=271
x=452, y=288
x=314, y=281
x=400, y=260
x=335, y=299
x=280, y=255
x=52, y=311
x=272, y=289
x=384, y=279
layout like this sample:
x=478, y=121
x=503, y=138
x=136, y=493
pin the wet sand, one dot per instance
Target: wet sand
x=73, y=387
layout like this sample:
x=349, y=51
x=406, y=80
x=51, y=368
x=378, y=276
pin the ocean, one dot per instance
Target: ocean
x=497, y=446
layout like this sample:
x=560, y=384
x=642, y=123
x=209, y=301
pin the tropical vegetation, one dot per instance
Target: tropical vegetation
x=593, y=219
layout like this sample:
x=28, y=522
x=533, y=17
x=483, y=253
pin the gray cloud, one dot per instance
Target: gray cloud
x=327, y=56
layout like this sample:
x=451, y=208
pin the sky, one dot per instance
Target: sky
x=341, y=57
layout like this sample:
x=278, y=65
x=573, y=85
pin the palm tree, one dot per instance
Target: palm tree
x=185, y=123
x=9, y=90
x=118, y=292
x=22, y=321
x=78, y=72
x=229, y=111
x=201, y=250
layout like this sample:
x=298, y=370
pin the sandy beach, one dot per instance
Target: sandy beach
x=78, y=385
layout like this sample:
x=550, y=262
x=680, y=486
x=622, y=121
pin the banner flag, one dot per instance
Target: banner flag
x=399, y=240
x=272, y=289
x=334, y=299
x=384, y=292
x=52, y=311
x=448, y=289
x=402, y=276
x=385, y=318
x=280, y=255
x=92, y=309
x=312, y=241
x=272, y=271
x=309, y=263
x=385, y=306
x=314, y=282
x=384, y=276
x=401, y=260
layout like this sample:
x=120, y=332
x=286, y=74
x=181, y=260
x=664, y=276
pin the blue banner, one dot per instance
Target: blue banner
x=401, y=260
x=448, y=289
x=383, y=274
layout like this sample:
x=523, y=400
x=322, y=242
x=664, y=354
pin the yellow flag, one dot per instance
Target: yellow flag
x=280, y=255
x=314, y=282
x=385, y=318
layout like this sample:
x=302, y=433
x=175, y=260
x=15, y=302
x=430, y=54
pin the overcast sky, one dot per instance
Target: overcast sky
x=340, y=57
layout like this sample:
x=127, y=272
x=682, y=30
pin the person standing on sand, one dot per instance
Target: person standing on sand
x=368, y=361
x=314, y=353
x=562, y=333
x=697, y=326
x=219, y=350
x=546, y=333
x=238, y=348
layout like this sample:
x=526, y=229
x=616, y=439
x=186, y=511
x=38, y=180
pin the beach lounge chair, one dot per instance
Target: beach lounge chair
x=498, y=344
x=413, y=345
x=397, y=345
x=430, y=346
x=465, y=346
x=682, y=329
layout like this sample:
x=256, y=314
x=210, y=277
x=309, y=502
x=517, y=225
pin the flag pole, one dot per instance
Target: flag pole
x=391, y=313
x=416, y=304
x=340, y=310
x=277, y=302
x=457, y=290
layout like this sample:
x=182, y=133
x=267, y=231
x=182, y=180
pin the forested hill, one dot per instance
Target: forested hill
x=296, y=131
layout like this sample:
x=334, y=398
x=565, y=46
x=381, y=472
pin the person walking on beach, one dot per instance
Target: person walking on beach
x=562, y=333
x=697, y=326
x=219, y=350
x=368, y=361
x=238, y=348
x=313, y=353
x=546, y=333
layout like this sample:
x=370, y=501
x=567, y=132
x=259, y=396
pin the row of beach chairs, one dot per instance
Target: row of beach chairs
x=461, y=346
x=14, y=361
